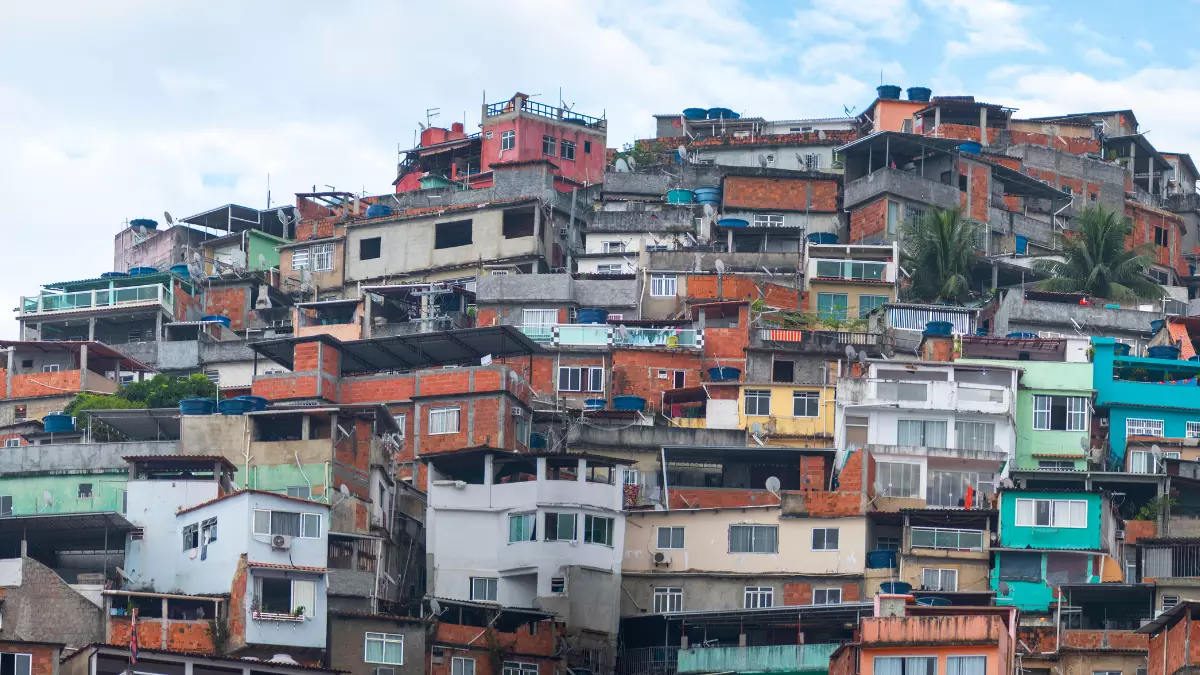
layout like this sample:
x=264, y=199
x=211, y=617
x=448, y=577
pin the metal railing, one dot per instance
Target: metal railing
x=107, y=297
x=648, y=661
x=946, y=539
x=543, y=110
x=606, y=335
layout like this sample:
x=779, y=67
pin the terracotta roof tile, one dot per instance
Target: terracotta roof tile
x=257, y=492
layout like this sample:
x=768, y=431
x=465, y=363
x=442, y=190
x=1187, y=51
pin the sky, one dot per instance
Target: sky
x=127, y=108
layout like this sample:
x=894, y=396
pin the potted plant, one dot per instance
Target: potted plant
x=298, y=612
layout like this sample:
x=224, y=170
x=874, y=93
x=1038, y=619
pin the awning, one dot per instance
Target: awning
x=235, y=218
x=99, y=354
x=67, y=531
x=410, y=352
x=141, y=424
x=684, y=395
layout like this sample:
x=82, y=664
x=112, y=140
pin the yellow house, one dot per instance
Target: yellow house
x=789, y=414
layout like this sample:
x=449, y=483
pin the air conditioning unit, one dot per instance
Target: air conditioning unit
x=518, y=412
x=281, y=542
x=661, y=558
x=1120, y=535
x=1103, y=422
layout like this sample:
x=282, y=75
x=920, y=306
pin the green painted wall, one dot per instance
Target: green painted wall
x=279, y=477
x=1050, y=379
x=261, y=242
x=27, y=491
x=1064, y=538
x=1030, y=596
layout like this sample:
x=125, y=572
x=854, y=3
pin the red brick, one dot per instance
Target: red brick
x=797, y=594
x=786, y=194
x=1139, y=529
x=868, y=222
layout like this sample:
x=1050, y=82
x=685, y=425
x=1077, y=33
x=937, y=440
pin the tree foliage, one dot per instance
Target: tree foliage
x=939, y=252
x=1096, y=263
x=161, y=391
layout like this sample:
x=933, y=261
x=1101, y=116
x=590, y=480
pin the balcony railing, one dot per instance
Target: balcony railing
x=620, y=336
x=648, y=661
x=106, y=297
x=946, y=539
x=273, y=616
x=931, y=394
x=761, y=659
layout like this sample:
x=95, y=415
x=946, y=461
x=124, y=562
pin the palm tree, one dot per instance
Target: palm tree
x=1096, y=263
x=939, y=251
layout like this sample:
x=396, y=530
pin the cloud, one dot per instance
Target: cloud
x=892, y=20
x=991, y=26
x=1099, y=57
x=1144, y=45
x=1082, y=30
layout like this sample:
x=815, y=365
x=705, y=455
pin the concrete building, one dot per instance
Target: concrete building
x=531, y=532
x=110, y=659
x=364, y=644
x=848, y=282
x=772, y=210
x=724, y=140
x=41, y=377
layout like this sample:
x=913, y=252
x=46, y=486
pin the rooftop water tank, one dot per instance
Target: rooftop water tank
x=148, y=223
x=591, y=315
x=895, y=587
x=1121, y=349
x=57, y=423
x=823, y=238
x=724, y=374
x=695, y=113
x=722, y=114
x=938, y=328
x=971, y=147
x=733, y=222
x=888, y=91
x=378, y=210
x=181, y=270
x=1156, y=325
x=142, y=271
x=197, y=406
x=921, y=94
x=1168, y=352
x=680, y=196
x=708, y=195
x=629, y=403
x=235, y=406
x=594, y=403
x=223, y=320
x=111, y=275
x=258, y=403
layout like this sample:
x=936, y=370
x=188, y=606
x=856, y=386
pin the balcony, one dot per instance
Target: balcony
x=1037, y=232
x=820, y=342
x=914, y=395
x=910, y=185
x=133, y=296
x=764, y=659
x=603, y=335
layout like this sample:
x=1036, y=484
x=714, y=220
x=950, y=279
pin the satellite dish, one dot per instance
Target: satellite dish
x=720, y=265
x=435, y=606
x=773, y=485
x=631, y=162
x=862, y=358
x=167, y=215
x=709, y=211
x=282, y=217
x=344, y=490
x=621, y=166
x=682, y=154
x=762, y=160
x=1083, y=443
x=851, y=352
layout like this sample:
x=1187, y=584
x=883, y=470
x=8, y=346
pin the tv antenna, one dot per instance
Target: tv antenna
x=431, y=113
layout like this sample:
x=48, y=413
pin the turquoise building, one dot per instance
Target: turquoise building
x=1144, y=396
x=1050, y=538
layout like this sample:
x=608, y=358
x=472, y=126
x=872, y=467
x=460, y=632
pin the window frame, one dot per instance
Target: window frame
x=664, y=286
x=758, y=396
x=508, y=139
x=549, y=146
x=376, y=242
x=16, y=658
x=664, y=597
x=837, y=536
x=566, y=150
x=300, y=258
x=754, y=536
x=1075, y=417
x=1191, y=430
x=670, y=531
x=444, y=411
x=589, y=527
x=835, y=309
x=1027, y=513
x=812, y=399
x=491, y=586
x=558, y=520
x=877, y=301
x=941, y=574
x=518, y=668
x=456, y=660
x=1144, y=424
x=590, y=379
x=828, y=593
x=528, y=527
x=319, y=252
x=384, y=639
x=758, y=597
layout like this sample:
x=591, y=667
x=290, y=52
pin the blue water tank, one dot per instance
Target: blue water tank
x=223, y=320
x=629, y=403
x=591, y=315
x=1156, y=325
x=259, y=403
x=695, y=113
x=537, y=441
x=113, y=275
x=181, y=271
x=197, y=406
x=938, y=328
x=823, y=238
x=594, y=403
x=1168, y=352
x=722, y=114
x=148, y=223
x=142, y=271
x=934, y=602
x=57, y=423
x=1022, y=244
x=724, y=374
x=1022, y=335
x=733, y=222
x=920, y=94
x=895, y=587
x=708, y=195
x=888, y=91
x=235, y=406
x=378, y=210
x=881, y=560
x=970, y=147
x=1121, y=349
x=680, y=196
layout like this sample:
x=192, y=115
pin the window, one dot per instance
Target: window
x=443, y=420
x=921, y=433
x=939, y=579
x=887, y=543
x=758, y=402
x=598, y=473
x=16, y=664
x=1162, y=236
x=759, y=596
x=558, y=585
x=783, y=370
x=484, y=588
x=893, y=216
x=19, y=412
x=668, y=599
x=897, y=479
x=857, y=429
x=974, y=435
x=583, y=378
x=1067, y=189
x=191, y=537
x=867, y=303
x=460, y=665
x=549, y=146
x=662, y=285
x=806, y=404
x=597, y=530
x=560, y=527
x=1193, y=430
x=290, y=523
x=905, y=665
x=208, y=528
x=522, y=527
x=812, y=162
x=452, y=234
x=612, y=268
x=768, y=220
x=587, y=147
x=12, y=442
x=277, y=595
x=1141, y=461
x=1144, y=427
x=508, y=140
x=675, y=376
x=753, y=539
x=827, y=596
x=966, y=665
x=851, y=270
x=387, y=648
x=1056, y=465
x=5, y=505
x=1070, y=513
x=631, y=477
x=656, y=247
x=300, y=491
x=50, y=368
x=670, y=538
x=1169, y=602
x=322, y=257
x=949, y=488
x=832, y=305
x=85, y=490
x=568, y=150
x=612, y=247
x=825, y=539
x=369, y=249
x=519, y=668
x=1059, y=413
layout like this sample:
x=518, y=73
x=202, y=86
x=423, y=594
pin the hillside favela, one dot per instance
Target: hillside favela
x=913, y=390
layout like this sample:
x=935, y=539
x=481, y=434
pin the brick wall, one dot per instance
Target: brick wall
x=1075, y=146
x=980, y=187
x=1140, y=529
x=963, y=132
x=1105, y=639
x=45, y=384
x=797, y=594
x=708, y=498
x=523, y=641
x=186, y=308
x=1145, y=220
x=229, y=301
x=782, y=194
x=44, y=657
x=868, y=222
x=635, y=372
x=828, y=137
x=237, y=607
